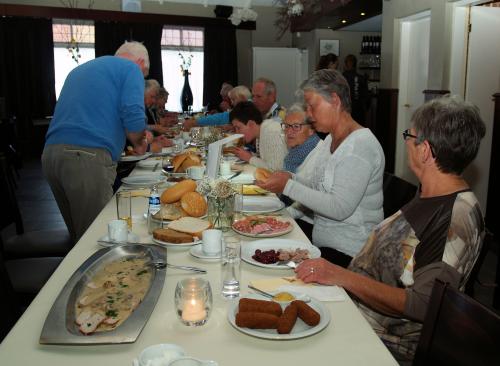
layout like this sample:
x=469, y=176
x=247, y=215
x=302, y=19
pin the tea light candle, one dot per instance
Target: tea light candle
x=193, y=310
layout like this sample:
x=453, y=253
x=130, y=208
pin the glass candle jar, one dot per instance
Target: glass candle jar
x=193, y=301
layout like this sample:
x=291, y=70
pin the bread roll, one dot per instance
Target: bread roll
x=191, y=160
x=194, y=204
x=175, y=192
x=262, y=174
x=172, y=236
x=177, y=161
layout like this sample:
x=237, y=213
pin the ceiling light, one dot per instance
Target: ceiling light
x=344, y=21
x=362, y=14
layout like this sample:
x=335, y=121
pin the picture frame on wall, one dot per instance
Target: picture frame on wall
x=329, y=46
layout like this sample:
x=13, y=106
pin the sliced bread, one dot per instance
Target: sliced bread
x=190, y=225
x=172, y=236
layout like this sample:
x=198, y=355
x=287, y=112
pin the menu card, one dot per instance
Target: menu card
x=215, y=154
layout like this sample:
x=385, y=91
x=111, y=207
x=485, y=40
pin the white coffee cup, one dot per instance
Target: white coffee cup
x=196, y=172
x=225, y=168
x=118, y=231
x=211, y=243
x=159, y=353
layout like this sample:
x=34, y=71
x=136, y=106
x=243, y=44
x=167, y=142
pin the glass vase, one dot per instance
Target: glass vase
x=220, y=212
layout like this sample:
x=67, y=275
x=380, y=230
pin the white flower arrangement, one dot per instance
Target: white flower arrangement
x=216, y=188
x=242, y=15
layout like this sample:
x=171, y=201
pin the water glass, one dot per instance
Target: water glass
x=124, y=207
x=193, y=301
x=231, y=266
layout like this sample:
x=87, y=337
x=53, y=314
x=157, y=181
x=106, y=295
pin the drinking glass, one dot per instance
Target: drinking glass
x=193, y=301
x=124, y=207
x=230, y=266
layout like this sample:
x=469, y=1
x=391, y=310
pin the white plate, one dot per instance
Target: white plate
x=150, y=163
x=135, y=157
x=176, y=245
x=132, y=238
x=248, y=250
x=300, y=330
x=167, y=221
x=143, y=180
x=197, y=251
x=267, y=235
x=261, y=204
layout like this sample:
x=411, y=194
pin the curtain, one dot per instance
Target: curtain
x=27, y=68
x=111, y=35
x=220, y=62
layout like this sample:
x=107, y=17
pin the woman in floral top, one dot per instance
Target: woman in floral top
x=436, y=235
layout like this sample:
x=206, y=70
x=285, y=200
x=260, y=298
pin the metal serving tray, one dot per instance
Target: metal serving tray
x=60, y=326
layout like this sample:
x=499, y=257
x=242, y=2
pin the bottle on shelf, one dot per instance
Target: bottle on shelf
x=153, y=208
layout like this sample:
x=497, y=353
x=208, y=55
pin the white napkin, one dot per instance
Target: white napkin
x=319, y=292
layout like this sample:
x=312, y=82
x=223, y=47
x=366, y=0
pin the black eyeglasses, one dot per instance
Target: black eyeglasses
x=407, y=135
x=295, y=127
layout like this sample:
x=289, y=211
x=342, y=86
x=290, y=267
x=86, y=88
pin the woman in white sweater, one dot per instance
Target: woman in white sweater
x=267, y=135
x=344, y=189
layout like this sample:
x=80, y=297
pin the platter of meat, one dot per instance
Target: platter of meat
x=108, y=299
x=262, y=226
x=275, y=253
x=255, y=316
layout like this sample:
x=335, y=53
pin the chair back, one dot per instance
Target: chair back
x=397, y=193
x=458, y=331
x=10, y=212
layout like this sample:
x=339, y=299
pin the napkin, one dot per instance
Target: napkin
x=319, y=292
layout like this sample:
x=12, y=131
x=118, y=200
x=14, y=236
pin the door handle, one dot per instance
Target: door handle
x=406, y=105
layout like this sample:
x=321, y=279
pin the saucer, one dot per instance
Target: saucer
x=197, y=251
x=132, y=238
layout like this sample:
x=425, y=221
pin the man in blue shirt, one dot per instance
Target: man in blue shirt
x=101, y=104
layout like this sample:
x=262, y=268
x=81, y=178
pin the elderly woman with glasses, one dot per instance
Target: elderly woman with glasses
x=344, y=188
x=436, y=235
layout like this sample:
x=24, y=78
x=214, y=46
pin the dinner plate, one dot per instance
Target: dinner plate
x=258, y=204
x=197, y=251
x=248, y=250
x=150, y=163
x=176, y=245
x=300, y=329
x=104, y=241
x=267, y=235
x=143, y=180
x=135, y=157
x=154, y=219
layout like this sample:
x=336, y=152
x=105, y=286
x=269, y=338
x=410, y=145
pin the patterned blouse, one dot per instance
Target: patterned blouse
x=429, y=238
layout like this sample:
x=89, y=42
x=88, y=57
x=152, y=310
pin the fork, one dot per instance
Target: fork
x=159, y=264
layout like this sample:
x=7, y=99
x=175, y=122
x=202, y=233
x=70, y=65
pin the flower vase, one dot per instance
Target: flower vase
x=220, y=212
x=187, y=94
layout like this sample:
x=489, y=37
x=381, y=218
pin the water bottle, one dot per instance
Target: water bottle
x=154, y=207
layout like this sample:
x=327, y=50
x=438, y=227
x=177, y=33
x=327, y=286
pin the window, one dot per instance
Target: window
x=73, y=41
x=188, y=42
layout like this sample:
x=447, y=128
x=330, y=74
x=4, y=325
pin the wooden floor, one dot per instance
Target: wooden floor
x=39, y=211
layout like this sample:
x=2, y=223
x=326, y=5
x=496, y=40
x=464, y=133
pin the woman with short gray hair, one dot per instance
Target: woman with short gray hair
x=345, y=187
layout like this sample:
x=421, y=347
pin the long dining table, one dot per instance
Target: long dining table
x=347, y=340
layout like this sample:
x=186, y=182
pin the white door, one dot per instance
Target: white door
x=483, y=80
x=287, y=67
x=413, y=71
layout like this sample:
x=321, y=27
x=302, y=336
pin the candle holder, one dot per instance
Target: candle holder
x=193, y=301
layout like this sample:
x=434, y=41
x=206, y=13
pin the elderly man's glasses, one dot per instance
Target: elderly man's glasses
x=295, y=127
x=407, y=135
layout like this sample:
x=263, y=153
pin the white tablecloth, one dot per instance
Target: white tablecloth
x=348, y=340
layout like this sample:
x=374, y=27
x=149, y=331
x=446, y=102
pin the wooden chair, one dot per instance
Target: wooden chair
x=397, y=193
x=458, y=331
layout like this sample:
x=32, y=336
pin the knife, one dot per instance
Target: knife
x=234, y=175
